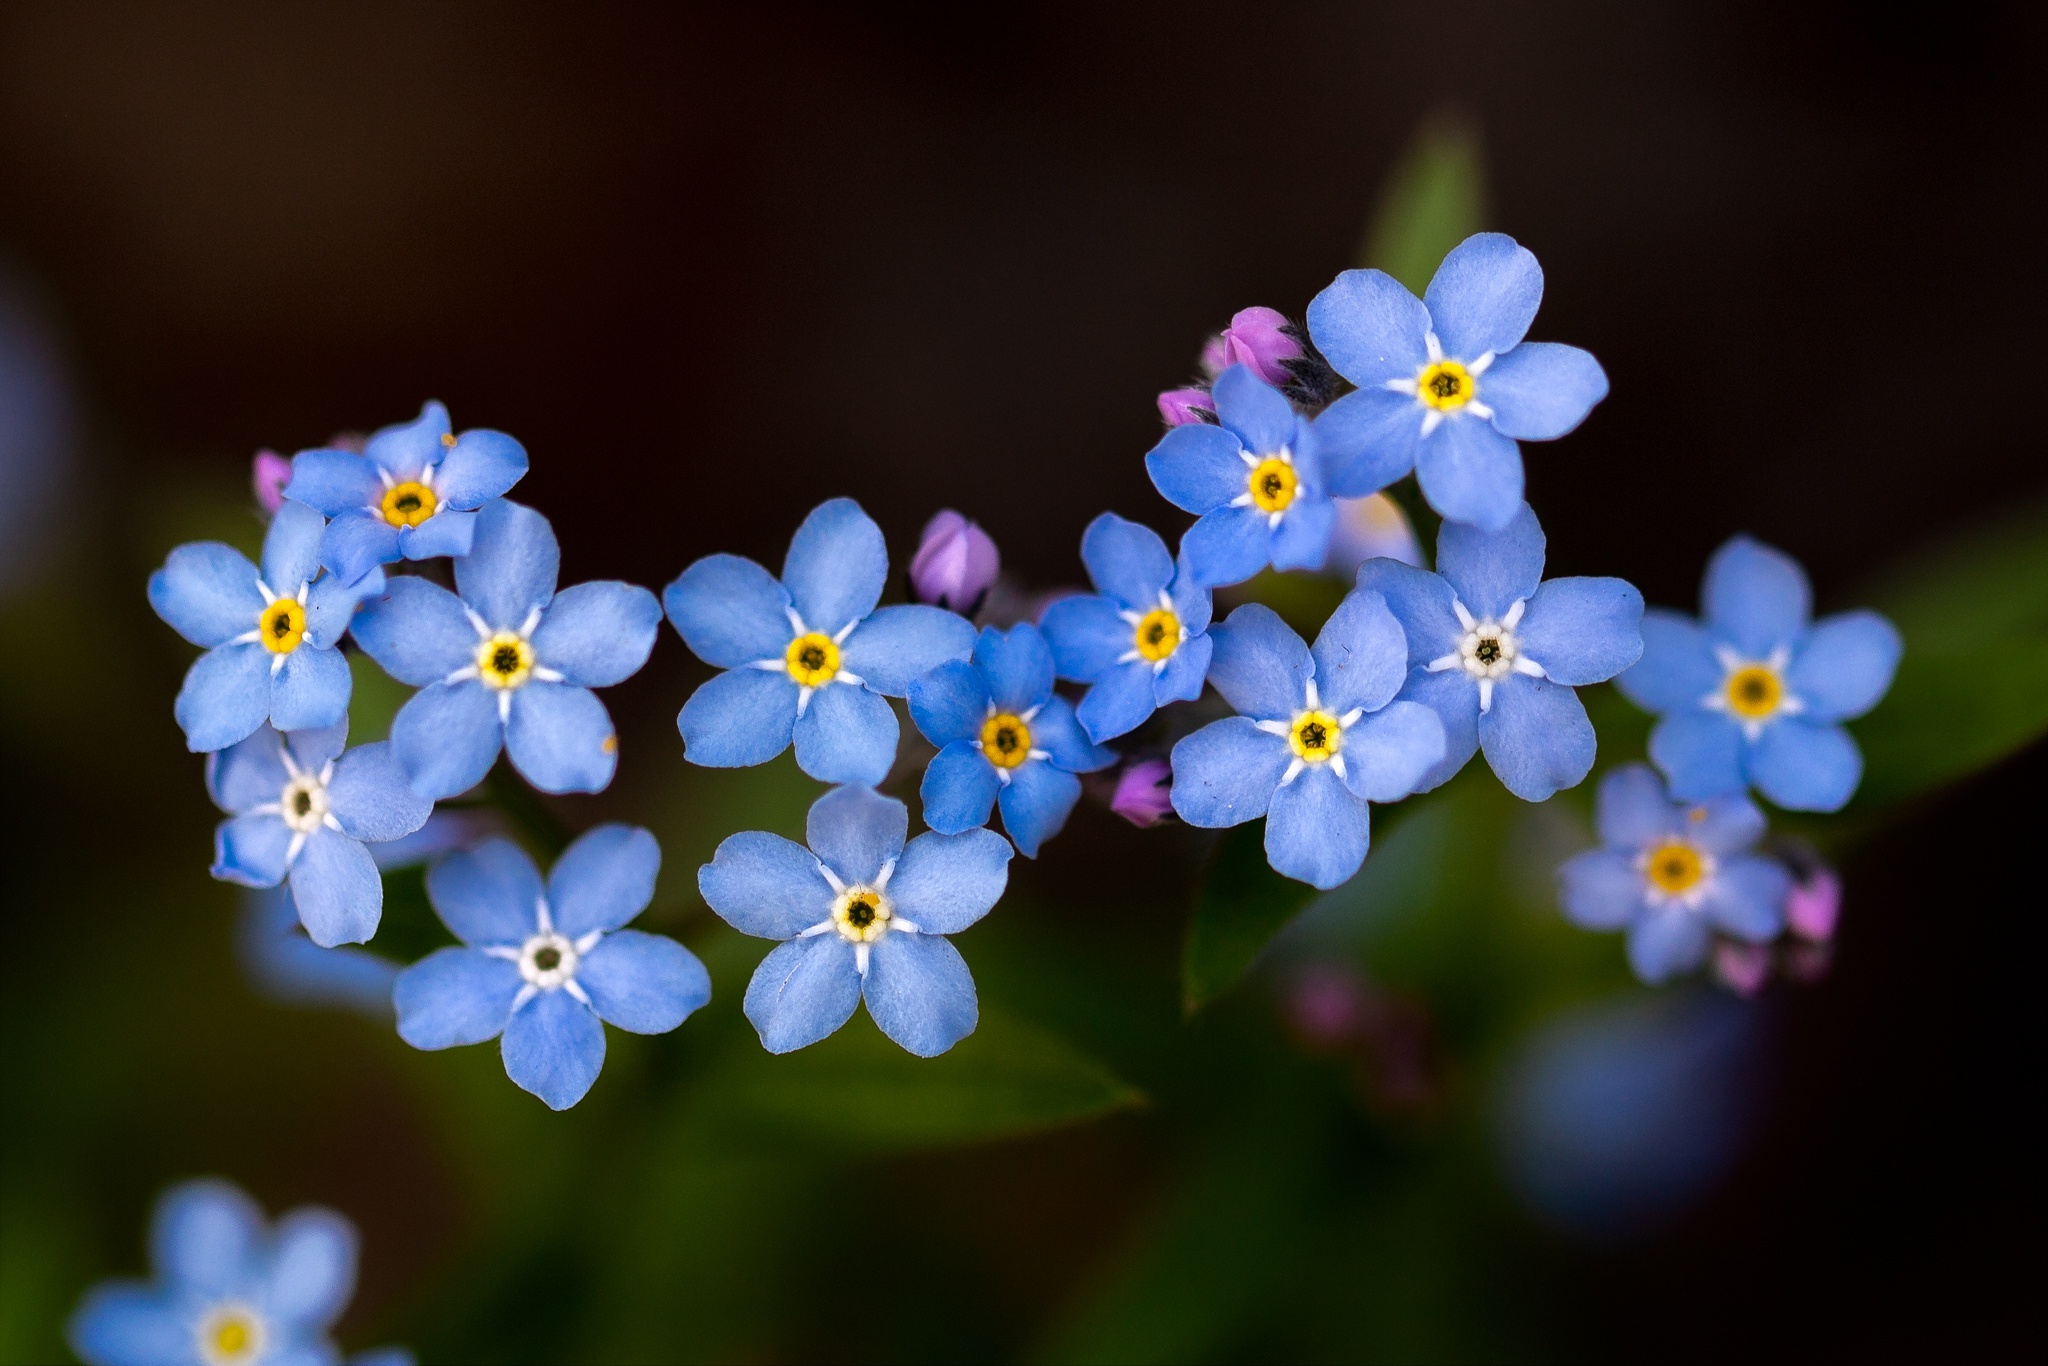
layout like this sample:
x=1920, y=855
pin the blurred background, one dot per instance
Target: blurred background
x=714, y=266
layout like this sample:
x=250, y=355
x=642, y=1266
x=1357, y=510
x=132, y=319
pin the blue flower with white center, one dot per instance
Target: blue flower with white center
x=509, y=662
x=1496, y=652
x=860, y=914
x=808, y=657
x=412, y=494
x=1004, y=739
x=548, y=967
x=1446, y=385
x=1143, y=642
x=1318, y=735
x=1756, y=692
x=1673, y=874
x=269, y=635
x=302, y=810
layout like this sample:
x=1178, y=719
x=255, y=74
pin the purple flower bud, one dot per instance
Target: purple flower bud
x=1213, y=363
x=954, y=565
x=1144, y=793
x=1370, y=528
x=1179, y=407
x=270, y=473
x=1260, y=338
x=1742, y=968
x=1814, y=905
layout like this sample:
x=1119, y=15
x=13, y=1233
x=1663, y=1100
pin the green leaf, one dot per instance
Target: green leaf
x=1435, y=199
x=1241, y=904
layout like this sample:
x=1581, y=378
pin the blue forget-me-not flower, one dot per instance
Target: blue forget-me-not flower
x=1446, y=385
x=1674, y=874
x=1143, y=642
x=509, y=661
x=548, y=966
x=269, y=634
x=1756, y=693
x=412, y=494
x=860, y=914
x=1318, y=735
x=1004, y=739
x=808, y=656
x=1496, y=652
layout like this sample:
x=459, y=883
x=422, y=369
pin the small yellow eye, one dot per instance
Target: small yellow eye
x=504, y=661
x=812, y=660
x=1316, y=736
x=1754, y=692
x=1005, y=740
x=1446, y=386
x=1674, y=868
x=1272, y=483
x=409, y=504
x=1158, y=635
x=282, y=626
x=861, y=914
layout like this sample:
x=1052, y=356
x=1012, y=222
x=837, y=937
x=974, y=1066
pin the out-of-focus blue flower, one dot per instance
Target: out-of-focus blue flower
x=1496, y=653
x=1672, y=874
x=303, y=810
x=509, y=662
x=1370, y=528
x=548, y=967
x=1143, y=642
x=1446, y=385
x=412, y=494
x=1318, y=735
x=1756, y=693
x=860, y=915
x=269, y=635
x=807, y=657
x=35, y=434
x=1004, y=739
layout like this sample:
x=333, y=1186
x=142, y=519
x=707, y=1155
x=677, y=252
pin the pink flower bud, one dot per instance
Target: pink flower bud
x=1179, y=407
x=1370, y=528
x=1742, y=968
x=1814, y=906
x=1144, y=793
x=270, y=473
x=1256, y=338
x=954, y=565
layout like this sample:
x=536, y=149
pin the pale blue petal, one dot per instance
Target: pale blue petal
x=846, y=735
x=765, y=885
x=1845, y=665
x=482, y=465
x=1632, y=811
x=1368, y=440
x=1804, y=767
x=1536, y=737
x=447, y=737
x=1302, y=540
x=1057, y=730
x=312, y=1270
x=1361, y=654
x=949, y=703
x=336, y=886
x=1454, y=697
x=313, y=749
x=1255, y=410
x=1197, y=467
x=855, y=831
x=1036, y=803
x=1700, y=753
x=958, y=789
x=1192, y=603
x=1224, y=774
x=511, y=566
x=1181, y=680
x=944, y=883
x=331, y=606
x=1016, y=664
x=1316, y=830
x=311, y=690
x=920, y=993
x=1583, y=630
x=739, y=718
x=1470, y=473
x=128, y=1323
x=1227, y=546
x=730, y=611
x=1747, y=897
x=1484, y=295
x=1088, y=636
x=802, y=992
x=1491, y=571
x=448, y=533
x=417, y=632
x=334, y=482
x=206, y=1238
x=291, y=548
x=206, y=592
x=247, y=773
x=1388, y=753
x=1370, y=328
x=837, y=566
x=1678, y=667
x=1260, y=666
x=561, y=738
x=1725, y=824
x=403, y=449
x=1541, y=390
x=1127, y=561
x=1420, y=601
x=250, y=850
x=603, y=880
x=225, y=697
x=597, y=634
x=453, y=997
x=357, y=541
x=897, y=644
x=1755, y=597
x=1600, y=889
x=371, y=797
x=1668, y=941
x=644, y=983
x=1121, y=701
x=554, y=1048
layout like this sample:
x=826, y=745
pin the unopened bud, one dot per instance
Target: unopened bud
x=268, y=476
x=1144, y=793
x=954, y=565
x=1179, y=407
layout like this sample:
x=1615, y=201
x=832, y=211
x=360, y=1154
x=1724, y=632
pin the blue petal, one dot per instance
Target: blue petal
x=417, y=632
x=511, y=566
x=1541, y=390
x=226, y=695
x=453, y=997
x=1631, y=810
x=1747, y=897
x=356, y=542
x=206, y=592
x=597, y=634
x=1420, y=601
x=313, y=749
x=554, y=1048
x=206, y=1238
x=336, y=886
x=482, y=465
x=1057, y=730
x=1668, y=941
x=447, y=737
x=127, y=1323
x=1127, y=561
x=949, y=703
x=1088, y=635
x=561, y=738
x=403, y=449
x=250, y=850
x=1368, y=439
x=1845, y=665
x=1470, y=473
x=603, y=880
x=730, y=611
x=331, y=606
x=1677, y=669
x=895, y=645
x=944, y=883
x=645, y=983
x=310, y=690
x=1491, y=571
x=1583, y=630
x=1370, y=328
x=739, y=718
x=1255, y=410
x=765, y=885
x=291, y=548
x=1121, y=701
x=1181, y=680
x=1227, y=546
x=1224, y=774
x=1316, y=830
x=1484, y=295
x=1036, y=803
x=846, y=735
x=958, y=789
x=448, y=533
x=1700, y=753
x=1601, y=889
x=288, y=967
x=1388, y=753
x=1454, y=697
x=1755, y=597
x=247, y=773
x=836, y=567
x=1302, y=540
x=1198, y=467
x=1361, y=655
x=802, y=992
x=1016, y=664
x=855, y=831
x=1536, y=737
x=1192, y=602
x=1804, y=767
x=312, y=1269
x=1260, y=666
x=920, y=993
x=334, y=482
x=1725, y=824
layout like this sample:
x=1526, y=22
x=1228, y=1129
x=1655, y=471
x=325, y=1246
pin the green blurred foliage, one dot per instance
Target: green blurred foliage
x=1435, y=199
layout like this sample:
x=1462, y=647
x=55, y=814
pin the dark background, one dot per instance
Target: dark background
x=712, y=267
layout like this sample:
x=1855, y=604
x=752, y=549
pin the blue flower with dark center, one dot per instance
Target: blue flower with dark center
x=1143, y=642
x=1004, y=739
x=509, y=662
x=412, y=494
x=1446, y=385
x=808, y=657
x=1673, y=874
x=860, y=914
x=1496, y=652
x=1756, y=692
x=269, y=635
x=303, y=810
x=1318, y=735
x=548, y=967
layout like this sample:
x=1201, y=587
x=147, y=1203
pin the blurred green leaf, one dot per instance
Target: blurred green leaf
x=1435, y=199
x=375, y=699
x=1241, y=904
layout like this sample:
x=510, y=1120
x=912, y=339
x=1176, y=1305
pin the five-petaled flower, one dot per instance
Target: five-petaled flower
x=509, y=662
x=1318, y=735
x=1004, y=739
x=1446, y=385
x=548, y=966
x=1496, y=652
x=412, y=494
x=807, y=657
x=1143, y=642
x=1673, y=874
x=1756, y=693
x=860, y=914
x=269, y=635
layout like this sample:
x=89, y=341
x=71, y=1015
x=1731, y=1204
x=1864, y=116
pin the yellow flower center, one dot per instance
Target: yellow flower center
x=409, y=504
x=1006, y=740
x=812, y=660
x=1315, y=737
x=1673, y=868
x=1754, y=692
x=1272, y=484
x=282, y=626
x=504, y=661
x=1158, y=634
x=1446, y=386
x=230, y=1336
x=862, y=914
